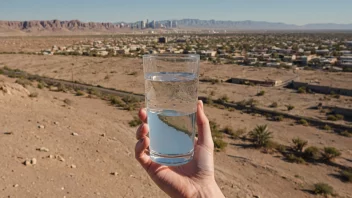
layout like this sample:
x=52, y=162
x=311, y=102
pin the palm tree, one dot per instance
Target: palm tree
x=260, y=135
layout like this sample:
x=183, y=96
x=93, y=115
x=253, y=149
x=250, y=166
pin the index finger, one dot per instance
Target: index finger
x=143, y=115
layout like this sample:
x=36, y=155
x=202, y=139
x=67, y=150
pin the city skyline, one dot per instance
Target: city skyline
x=298, y=12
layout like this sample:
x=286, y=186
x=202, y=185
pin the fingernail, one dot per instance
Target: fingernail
x=201, y=104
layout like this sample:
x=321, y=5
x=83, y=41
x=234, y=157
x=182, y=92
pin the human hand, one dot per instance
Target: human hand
x=194, y=179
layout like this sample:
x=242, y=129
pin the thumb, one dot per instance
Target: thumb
x=204, y=133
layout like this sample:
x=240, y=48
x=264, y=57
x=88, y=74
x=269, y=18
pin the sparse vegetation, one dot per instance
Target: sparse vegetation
x=290, y=107
x=279, y=118
x=346, y=175
x=260, y=135
x=274, y=105
x=261, y=93
x=299, y=144
x=303, y=122
x=79, y=93
x=339, y=116
x=335, y=117
x=346, y=133
x=294, y=159
x=238, y=133
x=219, y=144
x=312, y=153
x=116, y=101
x=135, y=122
x=224, y=98
x=134, y=73
x=24, y=82
x=323, y=188
x=330, y=153
x=327, y=128
x=40, y=85
x=250, y=102
x=302, y=90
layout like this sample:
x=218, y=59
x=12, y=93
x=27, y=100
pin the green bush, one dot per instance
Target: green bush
x=281, y=148
x=135, y=122
x=302, y=90
x=116, y=101
x=330, y=153
x=347, y=175
x=299, y=144
x=346, y=133
x=274, y=105
x=303, y=122
x=290, y=107
x=327, y=128
x=339, y=116
x=40, y=85
x=215, y=130
x=224, y=98
x=261, y=93
x=61, y=87
x=260, y=135
x=323, y=188
x=79, y=93
x=228, y=130
x=1, y=71
x=294, y=159
x=332, y=118
x=312, y=153
x=219, y=144
x=279, y=118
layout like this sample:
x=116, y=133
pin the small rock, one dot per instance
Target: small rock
x=256, y=196
x=43, y=149
x=51, y=156
x=34, y=161
x=56, y=123
x=103, y=135
x=114, y=173
x=75, y=134
x=8, y=133
x=27, y=162
x=16, y=185
x=73, y=166
x=60, y=158
x=41, y=126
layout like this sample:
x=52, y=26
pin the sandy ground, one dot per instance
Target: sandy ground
x=240, y=171
x=127, y=74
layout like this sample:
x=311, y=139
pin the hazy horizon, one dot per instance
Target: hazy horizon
x=299, y=12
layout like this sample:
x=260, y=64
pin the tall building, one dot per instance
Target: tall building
x=142, y=25
x=169, y=24
x=147, y=24
x=174, y=24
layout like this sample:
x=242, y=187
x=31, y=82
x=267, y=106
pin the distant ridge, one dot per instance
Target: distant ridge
x=57, y=26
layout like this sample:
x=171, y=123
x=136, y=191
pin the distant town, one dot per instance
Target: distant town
x=319, y=51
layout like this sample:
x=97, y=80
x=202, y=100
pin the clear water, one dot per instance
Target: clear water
x=171, y=105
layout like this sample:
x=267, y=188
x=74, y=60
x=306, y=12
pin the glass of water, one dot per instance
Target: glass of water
x=171, y=96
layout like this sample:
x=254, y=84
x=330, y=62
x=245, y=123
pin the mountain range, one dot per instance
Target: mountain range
x=35, y=26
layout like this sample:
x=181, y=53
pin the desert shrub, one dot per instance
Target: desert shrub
x=219, y=144
x=281, y=148
x=347, y=175
x=290, y=107
x=94, y=92
x=238, y=133
x=279, y=118
x=339, y=116
x=346, y=133
x=116, y=101
x=299, y=144
x=224, y=98
x=215, y=130
x=250, y=102
x=1, y=71
x=274, y=105
x=323, y=188
x=68, y=101
x=107, y=77
x=79, y=93
x=294, y=159
x=40, y=85
x=24, y=82
x=271, y=145
x=302, y=90
x=130, y=99
x=61, y=87
x=312, y=153
x=135, y=122
x=327, y=128
x=332, y=117
x=228, y=130
x=260, y=135
x=261, y=93
x=33, y=95
x=212, y=93
x=330, y=153
x=231, y=109
x=303, y=122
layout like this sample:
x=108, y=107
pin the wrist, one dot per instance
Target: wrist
x=210, y=190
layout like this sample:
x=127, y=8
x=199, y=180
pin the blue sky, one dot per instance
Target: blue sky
x=287, y=11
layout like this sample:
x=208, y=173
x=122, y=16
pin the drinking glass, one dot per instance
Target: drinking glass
x=171, y=82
